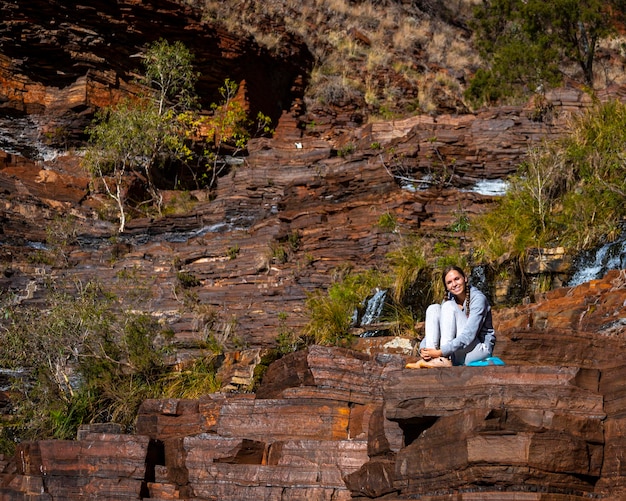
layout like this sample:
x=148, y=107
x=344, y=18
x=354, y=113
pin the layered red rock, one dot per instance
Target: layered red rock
x=559, y=429
x=104, y=466
x=335, y=423
x=327, y=424
x=72, y=59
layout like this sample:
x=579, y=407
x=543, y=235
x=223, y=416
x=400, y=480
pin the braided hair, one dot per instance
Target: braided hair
x=449, y=295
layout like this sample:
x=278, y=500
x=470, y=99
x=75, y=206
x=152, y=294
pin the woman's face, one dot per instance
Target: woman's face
x=455, y=282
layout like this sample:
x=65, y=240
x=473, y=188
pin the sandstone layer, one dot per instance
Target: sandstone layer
x=326, y=423
x=336, y=423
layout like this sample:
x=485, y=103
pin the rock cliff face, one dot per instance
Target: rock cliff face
x=326, y=424
x=333, y=424
x=66, y=59
x=293, y=188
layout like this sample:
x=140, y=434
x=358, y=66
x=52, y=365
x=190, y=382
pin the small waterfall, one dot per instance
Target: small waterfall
x=490, y=187
x=478, y=278
x=21, y=136
x=594, y=264
x=372, y=308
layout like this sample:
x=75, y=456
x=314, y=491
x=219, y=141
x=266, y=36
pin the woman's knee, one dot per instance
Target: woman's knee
x=433, y=311
x=448, y=308
x=479, y=352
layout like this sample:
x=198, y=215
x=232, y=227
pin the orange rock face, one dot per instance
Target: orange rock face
x=326, y=423
x=334, y=423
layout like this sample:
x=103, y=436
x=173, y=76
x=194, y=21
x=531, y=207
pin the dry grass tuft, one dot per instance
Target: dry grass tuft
x=355, y=43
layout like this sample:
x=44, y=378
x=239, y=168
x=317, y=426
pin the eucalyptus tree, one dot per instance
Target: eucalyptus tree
x=141, y=133
x=527, y=44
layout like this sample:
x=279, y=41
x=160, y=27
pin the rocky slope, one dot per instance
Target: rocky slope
x=326, y=423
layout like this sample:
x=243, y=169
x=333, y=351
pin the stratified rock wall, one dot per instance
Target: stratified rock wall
x=327, y=423
x=281, y=224
x=68, y=59
x=336, y=424
x=304, y=206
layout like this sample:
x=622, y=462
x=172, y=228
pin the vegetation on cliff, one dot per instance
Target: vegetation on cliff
x=389, y=58
x=412, y=278
x=524, y=48
x=117, y=357
x=77, y=361
x=569, y=192
x=530, y=46
x=147, y=132
x=81, y=358
x=162, y=133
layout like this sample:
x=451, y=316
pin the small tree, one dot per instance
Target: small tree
x=121, y=141
x=140, y=134
x=228, y=128
x=80, y=358
x=526, y=42
x=170, y=75
x=568, y=192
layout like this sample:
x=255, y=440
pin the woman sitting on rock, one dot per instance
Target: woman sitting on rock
x=460, y=330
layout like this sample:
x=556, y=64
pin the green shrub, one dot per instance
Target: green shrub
x=330, y=312
x=41, y=257
x=387, y=222
x=346, y=150
x=569, y=192
x=200, y=378
x=461, y=222
x=407, y=263
x=294, y=240
x=233, y=251
x=526, y=44
x=288, y=339
x=187, y=279
x=278, y=254
x=80, y=360
x=402, y=320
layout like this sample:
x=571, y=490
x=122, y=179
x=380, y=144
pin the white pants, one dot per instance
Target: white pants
x=443, y=322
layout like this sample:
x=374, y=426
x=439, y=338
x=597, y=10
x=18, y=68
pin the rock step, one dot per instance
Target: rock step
x=527, y=430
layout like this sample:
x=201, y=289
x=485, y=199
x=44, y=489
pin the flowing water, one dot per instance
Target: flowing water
x=595, y=263
x=22, y=136
x=487, y=187
x=373, y=308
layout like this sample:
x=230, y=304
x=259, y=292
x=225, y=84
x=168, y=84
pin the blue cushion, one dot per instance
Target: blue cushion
x=486, y=361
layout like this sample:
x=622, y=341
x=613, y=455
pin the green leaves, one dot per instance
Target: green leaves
x=229, y=127
x=568, y=192
x=163, y=130
x=122, y=137
x=526, y=42
x=147, y=132
x=80, y=359
x=330, y=313
x=169, y=72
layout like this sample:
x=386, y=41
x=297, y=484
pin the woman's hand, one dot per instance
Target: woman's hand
x=430, y=353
